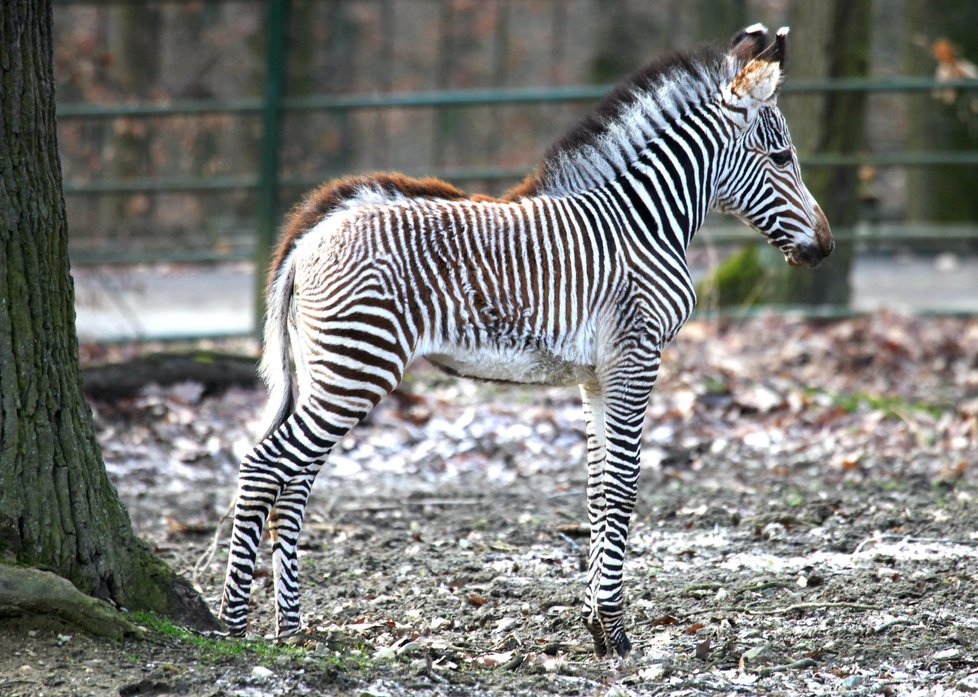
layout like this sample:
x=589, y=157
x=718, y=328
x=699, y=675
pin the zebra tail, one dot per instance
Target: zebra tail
x=275, y=370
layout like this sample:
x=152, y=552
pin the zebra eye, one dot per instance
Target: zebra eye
x=781, y=158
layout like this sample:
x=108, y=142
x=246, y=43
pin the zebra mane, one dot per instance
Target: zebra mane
x=632, y=114
x=340, y=194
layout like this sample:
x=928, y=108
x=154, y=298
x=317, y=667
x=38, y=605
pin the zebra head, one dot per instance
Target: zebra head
x=761, y=181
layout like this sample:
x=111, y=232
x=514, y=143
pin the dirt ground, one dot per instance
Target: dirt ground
x=806, y=525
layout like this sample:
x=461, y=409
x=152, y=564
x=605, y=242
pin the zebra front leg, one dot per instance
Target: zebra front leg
x=613, y=490
x=594, y=420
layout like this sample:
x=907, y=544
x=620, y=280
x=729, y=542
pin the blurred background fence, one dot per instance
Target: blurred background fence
x=188, y=127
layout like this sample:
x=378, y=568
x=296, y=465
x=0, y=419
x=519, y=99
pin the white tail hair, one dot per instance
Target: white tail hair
x=275, y=370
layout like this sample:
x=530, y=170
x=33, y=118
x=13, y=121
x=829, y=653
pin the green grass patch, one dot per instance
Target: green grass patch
x=354, y=657
x=794, y=498
x=891, y=406
x=214, y=647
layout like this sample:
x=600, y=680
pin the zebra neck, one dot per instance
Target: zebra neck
x=660, y=200
x=665, y=189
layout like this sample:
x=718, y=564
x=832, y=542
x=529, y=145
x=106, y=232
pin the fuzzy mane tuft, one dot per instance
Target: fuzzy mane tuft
x=631, y=115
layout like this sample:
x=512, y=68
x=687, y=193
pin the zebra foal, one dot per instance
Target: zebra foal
x=576, y=276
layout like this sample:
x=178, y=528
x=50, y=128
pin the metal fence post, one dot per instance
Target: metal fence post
x=268, y=183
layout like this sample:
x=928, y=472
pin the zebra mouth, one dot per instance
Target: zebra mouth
x=809, y=255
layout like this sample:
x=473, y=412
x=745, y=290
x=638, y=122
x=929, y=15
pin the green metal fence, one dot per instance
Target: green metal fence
x=274, y=105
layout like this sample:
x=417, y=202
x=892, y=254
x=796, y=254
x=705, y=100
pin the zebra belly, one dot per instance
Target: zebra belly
x=499, y=365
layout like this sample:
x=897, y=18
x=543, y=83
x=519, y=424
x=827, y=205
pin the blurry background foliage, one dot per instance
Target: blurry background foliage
x=149, y=185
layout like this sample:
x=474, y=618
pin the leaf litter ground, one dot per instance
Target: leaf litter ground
x=806, y=524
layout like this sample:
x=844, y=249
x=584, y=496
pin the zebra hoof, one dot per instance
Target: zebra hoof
x=602, y=646
x=282, y=633
x=623, y=647
x=236, y=626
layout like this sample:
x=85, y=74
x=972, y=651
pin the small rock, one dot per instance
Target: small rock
x=504, y=625
x=384, y=653
x=653, y=673
x=752, y=655
x=968, y=683
x=409, y=648
x=261, y=673
x=439, y=623
x=947, y=655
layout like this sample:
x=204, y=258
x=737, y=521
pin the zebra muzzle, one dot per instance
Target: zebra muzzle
x=812, y=254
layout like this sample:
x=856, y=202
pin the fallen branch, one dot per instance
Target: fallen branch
x=216, y=371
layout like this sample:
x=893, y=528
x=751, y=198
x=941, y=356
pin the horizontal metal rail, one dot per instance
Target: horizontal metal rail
x=713, y=235
x=229, y=183
x=156, y=185
x=466, y=98
x=142, y=257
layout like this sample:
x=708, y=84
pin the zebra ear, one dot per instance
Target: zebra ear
x=748, y=43
x=759, y=81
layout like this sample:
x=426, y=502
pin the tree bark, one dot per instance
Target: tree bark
x=944, y=121
x=841, y=50
x=58, y=509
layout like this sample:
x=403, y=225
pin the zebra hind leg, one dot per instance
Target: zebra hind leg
x=274, y=484
x=260, y=480
x=285, y=524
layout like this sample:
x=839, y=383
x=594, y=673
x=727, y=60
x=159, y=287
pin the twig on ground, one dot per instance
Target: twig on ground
x=696, y=587
x=763, y=586
x=797, y=665
x=892, y=623
x=798, y=606
x=381, y=507
x=877, y=538
x=207, y=557
x=573, y=545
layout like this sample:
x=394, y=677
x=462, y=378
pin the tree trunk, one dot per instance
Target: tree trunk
x=58, y=509
x=945, y=121
x=841, y=50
